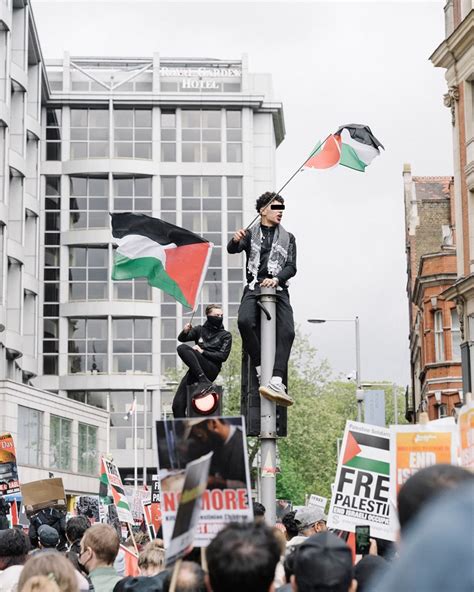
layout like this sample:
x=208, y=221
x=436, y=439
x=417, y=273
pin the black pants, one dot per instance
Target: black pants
x=249, y=327
x=197, y=364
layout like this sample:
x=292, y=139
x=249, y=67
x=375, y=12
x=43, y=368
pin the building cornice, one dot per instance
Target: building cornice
x=462, y=289
x=422, y=282
x=456, y=45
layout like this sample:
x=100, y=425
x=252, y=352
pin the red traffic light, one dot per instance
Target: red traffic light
x=205, y=403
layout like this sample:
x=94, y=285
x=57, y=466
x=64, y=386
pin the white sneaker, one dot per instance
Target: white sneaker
x=277, y=393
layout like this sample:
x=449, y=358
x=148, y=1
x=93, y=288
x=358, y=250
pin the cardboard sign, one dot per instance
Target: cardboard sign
x=118, y=492
x=227, y=497
x=318, y=501
x=189, y=509
x=45, y=493
x=466, y=436
x=8, y=468
x=362, y=486
x=414, y=447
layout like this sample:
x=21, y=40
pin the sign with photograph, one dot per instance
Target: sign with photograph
x=466, y=436
x=362, y=487
x=8, y=468
x=227, y=495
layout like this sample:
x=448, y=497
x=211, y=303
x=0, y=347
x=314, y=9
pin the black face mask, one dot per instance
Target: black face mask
x=215, y=322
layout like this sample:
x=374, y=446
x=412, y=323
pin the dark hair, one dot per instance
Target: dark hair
x=190, y=578
x=76, y=527
x=14, y=547
x=290, y=524
x=425, y=485
x=263, y=200
x=258, y=509
x=209, y=307
x=289, y=562
x=368, y=567
x=243, y=557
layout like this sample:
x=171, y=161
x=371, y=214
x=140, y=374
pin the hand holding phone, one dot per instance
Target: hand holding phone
x=362, y=539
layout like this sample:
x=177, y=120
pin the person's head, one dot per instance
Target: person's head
x=48, y=537
x=76, y=527
x=99, y=547
x=151, y=560
x=40, y=584
x=215, y=315
x=242, y=557
x=209, y=431
x=310, y=520
x=190, y=578
x=323, y=563
x=270, y=214
x=258, y=511
x=368, y=567
x=54, y=566
x=290, y=525
x=14, y=547
x=289, y=563
x=423, y=486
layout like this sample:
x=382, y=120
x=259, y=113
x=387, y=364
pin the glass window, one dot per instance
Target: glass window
x=89, y=202
x=455, y=336
x=234, y=136
x=30, y=423
x=439, y=336
x=87, y=449
x=53, y=134
x=121, y=432
x=89, y=133
x=88, y=273
x=168, y=186
x=87, y=345
x=132, y=345
x=168, y=136
x=201, y=136
x=132, y=194
x=60, y=446
x=132, y=133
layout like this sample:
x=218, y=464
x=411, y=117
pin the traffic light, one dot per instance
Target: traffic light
x=204, y=405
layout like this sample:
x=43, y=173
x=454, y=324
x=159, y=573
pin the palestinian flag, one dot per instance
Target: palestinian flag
x=172, y=259
x=353, y=146
x=367, y=452
x=103, y=481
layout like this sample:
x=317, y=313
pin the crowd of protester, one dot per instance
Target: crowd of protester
x=433, y=554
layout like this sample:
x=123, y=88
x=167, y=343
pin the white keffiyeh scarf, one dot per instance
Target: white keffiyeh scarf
x=278, y=252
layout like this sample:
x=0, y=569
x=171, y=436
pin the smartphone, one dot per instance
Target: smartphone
x=362, y=537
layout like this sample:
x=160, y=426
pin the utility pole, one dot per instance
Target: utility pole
x=359, y=389
x=267, y=302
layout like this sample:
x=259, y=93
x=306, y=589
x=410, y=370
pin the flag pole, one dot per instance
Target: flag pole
x=288, y=181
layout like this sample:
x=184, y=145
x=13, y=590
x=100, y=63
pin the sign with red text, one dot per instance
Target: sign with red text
x=414, y=447
x=466, y=436
x=227, y=494
x=361, y=493
x=8, y=469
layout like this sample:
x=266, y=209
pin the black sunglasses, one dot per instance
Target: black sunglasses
x=277, y=206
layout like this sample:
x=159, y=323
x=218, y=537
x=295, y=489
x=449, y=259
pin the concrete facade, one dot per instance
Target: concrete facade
x=191, y=141
x=456, y=55
x=435, y=355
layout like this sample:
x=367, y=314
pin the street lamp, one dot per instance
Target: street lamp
x=359, y=390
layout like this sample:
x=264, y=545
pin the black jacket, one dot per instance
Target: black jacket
x=289, y=269
x=216, y=344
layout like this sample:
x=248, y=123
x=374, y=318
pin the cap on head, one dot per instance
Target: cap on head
x=48, y=536
x=307, y=516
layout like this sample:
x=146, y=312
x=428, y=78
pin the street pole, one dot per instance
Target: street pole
x=395, y=403
x=107, y=433
x=268, y=408
x=135, y=445
x=145, y=468
x=359, y=391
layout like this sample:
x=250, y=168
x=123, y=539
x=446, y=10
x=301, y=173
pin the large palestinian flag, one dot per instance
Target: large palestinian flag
x=172, y=259
x=367, y=453
x=352, y=145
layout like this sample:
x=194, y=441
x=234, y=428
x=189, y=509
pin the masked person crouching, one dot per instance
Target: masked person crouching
x=212, y=345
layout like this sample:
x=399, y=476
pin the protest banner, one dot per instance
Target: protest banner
x=8, y=468
x=152, y=511
x=45, y=493
x=189, y=509
x=466, y=436
x=118, y=493
x=227, y=497
x=361, y=489
x=318, y=501
x=414, y=447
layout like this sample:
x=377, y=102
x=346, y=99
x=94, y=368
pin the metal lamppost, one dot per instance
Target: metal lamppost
x=359, y=390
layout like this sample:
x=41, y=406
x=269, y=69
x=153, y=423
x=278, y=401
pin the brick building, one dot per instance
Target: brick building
x=434, y=324
x=456, y=55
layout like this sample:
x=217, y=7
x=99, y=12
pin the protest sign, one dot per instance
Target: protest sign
x=227, y=497
x=118, y=493
x=189, y=509
x=414, y=447
x=152, y=511
x=88, y=505
x=45, y=493
x=466, y=436
x=318, y=501
x=361, y=490
x=8, y=469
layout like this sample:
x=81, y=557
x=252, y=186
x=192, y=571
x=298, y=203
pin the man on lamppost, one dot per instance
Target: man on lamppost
x=271, y=262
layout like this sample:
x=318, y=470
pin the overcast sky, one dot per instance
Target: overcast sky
x=332, y=63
